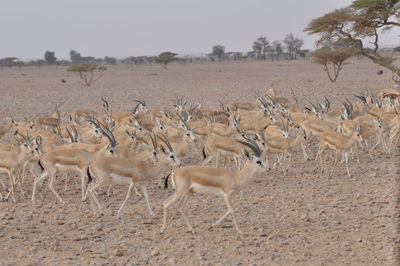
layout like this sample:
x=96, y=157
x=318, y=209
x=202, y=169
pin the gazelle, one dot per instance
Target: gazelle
x=393, y=134
x=339, y=143
x=285, y=146
x=315, y=127
x=114, y=170
x=220, y=181
x=77, y=159
x=52, y=122
x=13, y=159
x=225, y=146
x=274, y=130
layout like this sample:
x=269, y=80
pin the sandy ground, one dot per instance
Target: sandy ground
x=301, y=218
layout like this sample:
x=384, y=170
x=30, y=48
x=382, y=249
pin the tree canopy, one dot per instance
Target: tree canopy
x=218, y=51
x=333, y=59
x=362, y=21
x=50, y=57
x=87, y=72
x=165, y=58
x=260, y=47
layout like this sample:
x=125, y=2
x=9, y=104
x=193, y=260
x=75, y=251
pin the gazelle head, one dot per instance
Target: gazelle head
x=253, y=156
x=160, y=125
x=141, y=106
x=191, y=113
x=188, y=131
x=285, y=127
x=107, y=132
x=358, y=133
x=236, y=121
x=179, y=104
x=172, y=157
x=26, y=142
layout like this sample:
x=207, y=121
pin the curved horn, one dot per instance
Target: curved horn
x=143, y=103
x=105, y=105
x=69, y=134
x=362, y=98
x=165, y=140
x=106, y=131
x=252, y=145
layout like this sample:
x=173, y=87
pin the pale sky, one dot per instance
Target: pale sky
x=148, y=27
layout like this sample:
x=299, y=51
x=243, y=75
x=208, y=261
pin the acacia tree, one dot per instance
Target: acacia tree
x=261, y=47
x=87, y=72
x=8, y=61
x=165, y=58
x=218, y=51
x=50, y=57
x=362, y=21
x=75, y=56
x=333, y=59
x=293, y=45
x=277, y=46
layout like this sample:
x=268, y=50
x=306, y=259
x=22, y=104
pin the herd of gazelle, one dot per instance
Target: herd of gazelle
x=107, y=148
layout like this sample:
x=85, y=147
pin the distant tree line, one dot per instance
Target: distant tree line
x=290, y=48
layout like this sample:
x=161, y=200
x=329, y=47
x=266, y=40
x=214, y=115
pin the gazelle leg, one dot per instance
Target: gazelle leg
x=37, y=180
x=221, y=219
x=92, y=194
x=108, y=193
x=12, y=184
x=51, y=183
x=229, y=204
x=181, y=205
x=347, y=163
x=207, y=160
x=137, y=192
x=144, y=189
x=377, y=143
x=288, y=162
x=65, y=177
x=168, y=203
x=335, y=161
x=303, y=148
x=131, y=185
x=319, y=153
x=83, y=185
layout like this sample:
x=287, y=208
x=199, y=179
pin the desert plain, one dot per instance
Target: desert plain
x=302, y=218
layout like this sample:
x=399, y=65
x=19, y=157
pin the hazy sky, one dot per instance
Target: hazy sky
x=148, y=27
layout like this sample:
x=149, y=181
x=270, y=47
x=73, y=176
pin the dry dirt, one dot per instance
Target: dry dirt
x=301, y=218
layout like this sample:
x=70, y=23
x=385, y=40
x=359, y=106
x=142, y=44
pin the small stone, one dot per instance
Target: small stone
x=119, y=252
x=155, y=252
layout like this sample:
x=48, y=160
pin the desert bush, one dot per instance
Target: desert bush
x=165, y=58
x=333, y=59
x=88, y=73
